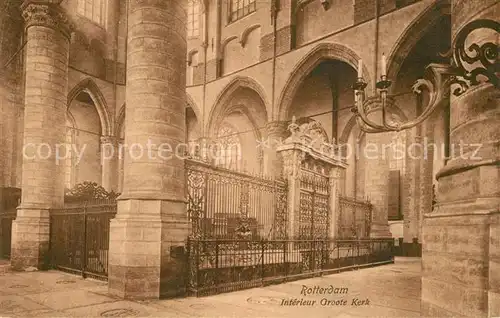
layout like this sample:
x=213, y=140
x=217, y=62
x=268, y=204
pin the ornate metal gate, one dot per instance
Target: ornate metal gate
x=79, y=237
x=314, y=213
x=223, y=204
x=354, y=218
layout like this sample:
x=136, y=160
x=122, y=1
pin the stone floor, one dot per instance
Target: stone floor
x=384, y=291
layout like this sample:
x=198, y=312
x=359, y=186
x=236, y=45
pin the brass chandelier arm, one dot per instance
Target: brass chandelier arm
x=361, y=115
x=384, y=113
x=482, y=62
x=364, y=127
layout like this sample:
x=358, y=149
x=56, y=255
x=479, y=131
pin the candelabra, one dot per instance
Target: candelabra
x=464, y=71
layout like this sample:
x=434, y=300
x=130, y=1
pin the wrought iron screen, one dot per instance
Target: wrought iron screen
x=354, y=218
x=217, y=266
x=224, y=203
x=79, y=237
x=313, y=219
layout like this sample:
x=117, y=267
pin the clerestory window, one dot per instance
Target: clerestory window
x=193, y=24
x=94, y=10
x=240, y=8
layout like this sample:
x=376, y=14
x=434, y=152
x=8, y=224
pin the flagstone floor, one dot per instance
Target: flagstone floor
x=384, y=291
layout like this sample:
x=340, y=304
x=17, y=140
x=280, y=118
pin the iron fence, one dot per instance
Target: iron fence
x=79, y=237
x=217, y=266
x=354, y=218
x=221, y=202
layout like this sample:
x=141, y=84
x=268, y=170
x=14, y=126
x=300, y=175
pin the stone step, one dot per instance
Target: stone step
x=404, y=259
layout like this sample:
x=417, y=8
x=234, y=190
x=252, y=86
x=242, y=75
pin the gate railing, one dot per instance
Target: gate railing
x=221, y=202
x=79, y=237
x=217, y=266
x=354, y=218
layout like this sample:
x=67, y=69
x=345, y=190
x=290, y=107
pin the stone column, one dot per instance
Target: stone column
x=44, y=127
x=461, y=246
x=147, y=237
x=376, y=158
x=411, y=187
x=273, y=163
x=291, y=172
x=335, y=184
x=377, y=183
x=109, y=162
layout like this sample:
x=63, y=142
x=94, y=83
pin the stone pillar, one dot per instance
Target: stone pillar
x=377, y=183
x=109, y=162
x=461, y=246
x=335, y=184
x=426, y=176
x=46, y=88
x=376, y=160
x=147, y=237
x=411, y=187
x=292, y=160
x=273, y=164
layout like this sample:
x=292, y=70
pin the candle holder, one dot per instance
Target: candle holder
x=438, y=79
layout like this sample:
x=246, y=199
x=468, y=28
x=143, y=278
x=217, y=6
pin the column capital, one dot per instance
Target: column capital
x=109, y=140
x=276, y=128
x=46, y=13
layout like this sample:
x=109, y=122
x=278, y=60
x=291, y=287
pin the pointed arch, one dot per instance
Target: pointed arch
x=422, y=24
x=320, y=53
x=90, y=87
x=221, y=105
x=191, y=103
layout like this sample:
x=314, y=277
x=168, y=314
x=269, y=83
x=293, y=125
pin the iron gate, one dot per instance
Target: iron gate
x=314, y=212
x=354, y=218
x=79, y=237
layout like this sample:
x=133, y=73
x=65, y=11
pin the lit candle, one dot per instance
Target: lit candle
x=360, y=68
x=384, y=65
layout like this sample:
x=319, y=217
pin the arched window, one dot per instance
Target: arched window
x=193, y=27
x=94, y=10
x=228, y=149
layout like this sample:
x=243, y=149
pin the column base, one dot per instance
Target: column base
x=147, y=252
x=30, y=239
x=455, y=262
x=380, y=230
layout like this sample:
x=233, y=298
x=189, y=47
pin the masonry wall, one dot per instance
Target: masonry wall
x=11, y=94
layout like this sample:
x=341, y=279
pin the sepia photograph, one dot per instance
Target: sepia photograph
x=249, y=158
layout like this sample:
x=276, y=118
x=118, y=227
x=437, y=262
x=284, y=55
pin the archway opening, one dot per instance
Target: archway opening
x=83, y=137
x=325, y=96
x=236, y=127
x=416, y=170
